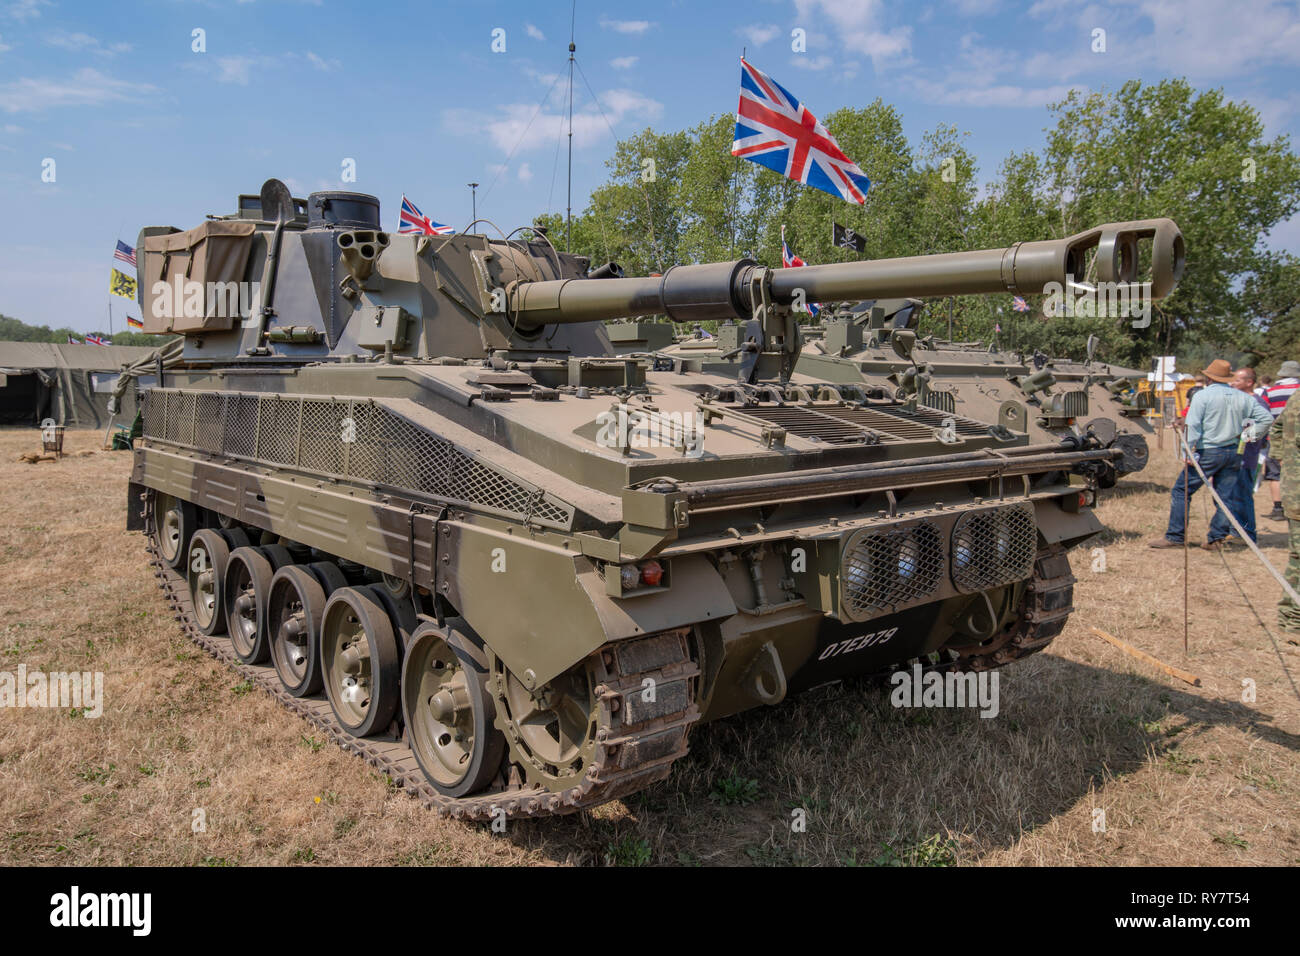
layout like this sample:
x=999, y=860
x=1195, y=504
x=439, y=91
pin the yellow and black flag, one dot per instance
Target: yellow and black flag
x=121, y=284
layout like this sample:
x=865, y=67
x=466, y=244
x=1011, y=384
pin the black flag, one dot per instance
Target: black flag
x=846, y=238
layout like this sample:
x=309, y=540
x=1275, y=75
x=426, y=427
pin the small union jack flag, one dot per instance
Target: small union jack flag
x=73, y=340
x=414, y=221
x=94, y=339
x=775, y=130
x=124, y=252
x=790, y=261
x=1019, y=304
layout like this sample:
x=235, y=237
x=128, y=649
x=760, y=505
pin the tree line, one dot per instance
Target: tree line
x=1142, y=151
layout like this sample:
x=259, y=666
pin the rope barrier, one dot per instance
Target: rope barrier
x=1188, y=456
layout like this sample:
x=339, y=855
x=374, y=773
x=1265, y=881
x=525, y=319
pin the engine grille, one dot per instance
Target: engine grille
x=346, y=439
x=851, y=424
x=1075, y=403
x=993, y=548
x=884, y=571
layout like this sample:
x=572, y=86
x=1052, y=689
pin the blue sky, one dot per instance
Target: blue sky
x=143, y=130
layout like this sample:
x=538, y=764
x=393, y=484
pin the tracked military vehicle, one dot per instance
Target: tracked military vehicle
x=876, y=342
x=1044, y=397
x=407, y=489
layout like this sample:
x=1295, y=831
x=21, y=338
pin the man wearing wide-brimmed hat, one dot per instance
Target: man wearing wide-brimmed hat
x=1277, y=395
x=1216, y=420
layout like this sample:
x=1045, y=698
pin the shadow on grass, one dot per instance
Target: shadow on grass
x=884, y=785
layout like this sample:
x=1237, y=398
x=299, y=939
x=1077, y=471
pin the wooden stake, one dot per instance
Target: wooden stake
x=1144, y=656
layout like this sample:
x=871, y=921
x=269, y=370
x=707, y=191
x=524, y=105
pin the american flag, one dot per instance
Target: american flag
x=412, y=220
x=124, y=252
x=775, y=130
x=790, y=261
x=94, y=339
x=1019, y=304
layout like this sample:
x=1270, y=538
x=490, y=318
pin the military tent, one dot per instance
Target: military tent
x=68, y=383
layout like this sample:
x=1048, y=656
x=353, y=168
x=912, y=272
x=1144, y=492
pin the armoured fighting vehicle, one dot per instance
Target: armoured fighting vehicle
x=876, y=341
x=1037, y=394
x=406, y=488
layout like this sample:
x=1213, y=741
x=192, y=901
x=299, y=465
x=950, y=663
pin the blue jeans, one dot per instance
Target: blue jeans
x=1223, y=467
x=1244, y=507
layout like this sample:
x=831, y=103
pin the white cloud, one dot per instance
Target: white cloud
x=816, y=63
x=322, y=64
x=757, y=35
x=959, y=90
x=235, y=69
x=24, y=10
x=626, y=26
x=534, y=32
x=525, y=174
x=975, y=8
x=86, y=87
x=12, y=130
x=857, y=24
x=624, y=62
x=511, y=125
x=85, y=43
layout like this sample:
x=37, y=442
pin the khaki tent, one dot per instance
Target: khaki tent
x=68, y=383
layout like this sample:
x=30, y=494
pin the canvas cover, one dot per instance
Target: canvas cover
x=68, y=383
x=216, y=251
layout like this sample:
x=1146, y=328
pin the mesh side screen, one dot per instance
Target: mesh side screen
x=884, y=571
x=209, y=420
x=277, y=430
x=322, y=436
x=993, y=548
x=349, y=439
x=155, y=412
x=240, y=426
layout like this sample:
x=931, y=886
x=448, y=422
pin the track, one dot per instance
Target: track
x=628, y=756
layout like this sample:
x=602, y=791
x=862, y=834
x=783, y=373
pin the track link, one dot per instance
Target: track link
x=637, y=742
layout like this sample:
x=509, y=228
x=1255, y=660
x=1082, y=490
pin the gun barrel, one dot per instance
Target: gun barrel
x=725, y=290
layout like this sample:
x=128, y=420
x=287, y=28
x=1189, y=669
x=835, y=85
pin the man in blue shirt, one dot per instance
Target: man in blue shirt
x=1216, y=419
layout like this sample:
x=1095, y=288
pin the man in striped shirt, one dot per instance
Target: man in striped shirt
x=1276, y=395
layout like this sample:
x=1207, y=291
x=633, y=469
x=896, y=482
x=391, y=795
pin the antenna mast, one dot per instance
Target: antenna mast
x=568, y=217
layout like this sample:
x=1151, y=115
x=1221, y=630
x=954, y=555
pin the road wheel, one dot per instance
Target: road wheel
x=205, y=573
x=449, y=711
x=245, y=589
x=175, y=521
x=359, y=661
x=293, y=615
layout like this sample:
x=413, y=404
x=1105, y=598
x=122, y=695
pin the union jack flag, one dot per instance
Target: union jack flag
x=790, y=261
x=775, y=130
x=124, y=252
x=73, y=340
x=412, y=220
x=1019, y=304
x=94, y=339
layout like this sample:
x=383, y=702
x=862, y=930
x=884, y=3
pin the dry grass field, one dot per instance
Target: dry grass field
x=1184, y=775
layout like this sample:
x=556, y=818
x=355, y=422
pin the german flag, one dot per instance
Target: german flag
x=134, y=322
